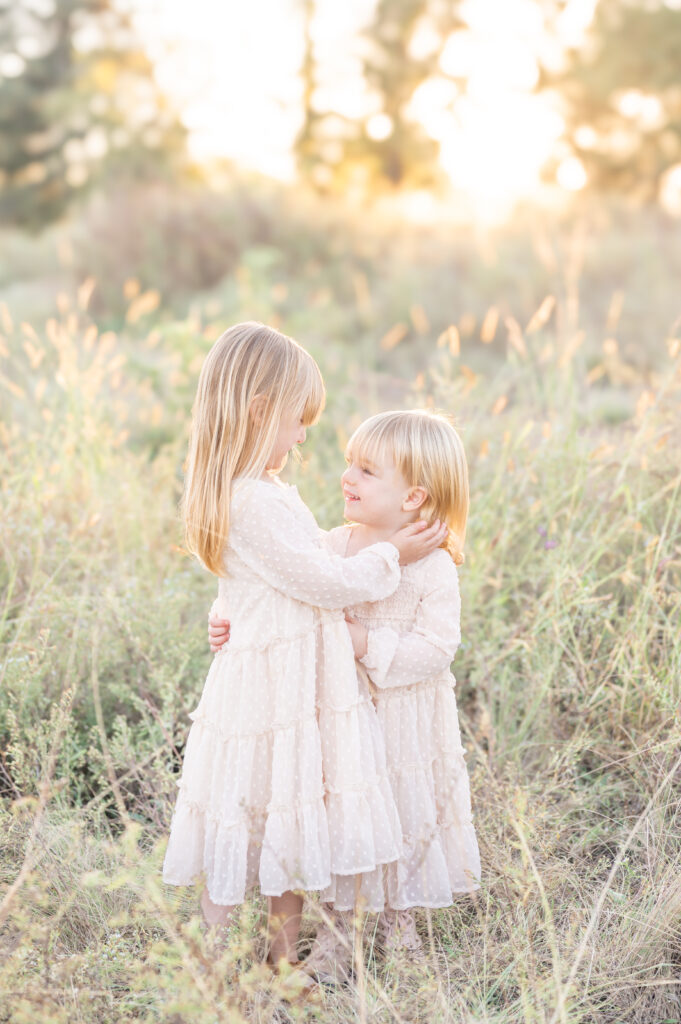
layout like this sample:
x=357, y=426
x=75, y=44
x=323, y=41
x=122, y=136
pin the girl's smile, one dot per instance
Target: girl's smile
x=377, y=495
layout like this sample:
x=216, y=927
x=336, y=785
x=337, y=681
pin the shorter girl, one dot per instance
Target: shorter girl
x=402, y=465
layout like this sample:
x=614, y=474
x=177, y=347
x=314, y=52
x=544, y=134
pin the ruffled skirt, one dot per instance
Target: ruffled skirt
x=430, y=784
x=284, y=781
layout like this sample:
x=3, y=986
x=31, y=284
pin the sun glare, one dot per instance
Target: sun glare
x=234, y=71
x=571, y=174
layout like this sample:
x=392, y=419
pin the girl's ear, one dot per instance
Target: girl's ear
x=415, y=498
x=257, y=409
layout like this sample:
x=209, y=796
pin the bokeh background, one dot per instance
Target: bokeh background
x=473, y=206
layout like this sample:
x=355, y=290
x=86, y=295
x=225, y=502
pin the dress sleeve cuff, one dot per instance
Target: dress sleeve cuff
x=381, y=647
x=388, y=550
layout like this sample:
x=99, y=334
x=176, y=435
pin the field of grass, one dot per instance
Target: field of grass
x=558, y=352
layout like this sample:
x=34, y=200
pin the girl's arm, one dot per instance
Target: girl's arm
x=394, y=659
x=219, y=629
x=275, y=542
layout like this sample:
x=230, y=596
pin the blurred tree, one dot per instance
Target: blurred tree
x=384, y=148
x=77, y=102
x=622, y=95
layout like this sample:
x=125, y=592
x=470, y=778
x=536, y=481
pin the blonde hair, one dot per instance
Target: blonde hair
x=249, y=359
x=426, y=449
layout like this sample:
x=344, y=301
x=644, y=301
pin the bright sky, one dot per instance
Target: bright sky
x=233, y=68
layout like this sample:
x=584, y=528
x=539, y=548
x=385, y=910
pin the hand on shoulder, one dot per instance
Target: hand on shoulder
x=416, y=540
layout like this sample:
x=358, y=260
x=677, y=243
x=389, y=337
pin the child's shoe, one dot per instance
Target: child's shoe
x=330, y=959
x=292, y=984
x=396, y=931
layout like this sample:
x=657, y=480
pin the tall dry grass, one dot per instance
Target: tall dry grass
x=568, y=678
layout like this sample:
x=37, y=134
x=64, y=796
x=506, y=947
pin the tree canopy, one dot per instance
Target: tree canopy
x=77, y=100
x=384, y=148
x=619, y=91
x=622, y=96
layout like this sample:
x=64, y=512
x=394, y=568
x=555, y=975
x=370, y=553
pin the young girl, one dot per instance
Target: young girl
x=283, y=782
x=402, y=465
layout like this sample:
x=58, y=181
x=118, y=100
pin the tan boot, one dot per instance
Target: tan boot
x=396, y=932
x=292, y=984
x=330, y=959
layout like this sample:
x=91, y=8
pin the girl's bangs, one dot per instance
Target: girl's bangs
x=369, y=442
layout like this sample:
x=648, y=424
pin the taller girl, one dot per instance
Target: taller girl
x=284, y=780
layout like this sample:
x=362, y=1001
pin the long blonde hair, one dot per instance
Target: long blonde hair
x=249, y=359
x=426, y=449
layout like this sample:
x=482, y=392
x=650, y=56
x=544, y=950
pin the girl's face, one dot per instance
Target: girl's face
x=291, y=432
x=376, y=494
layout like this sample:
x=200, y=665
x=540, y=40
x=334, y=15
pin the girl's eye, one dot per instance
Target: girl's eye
x=367, y=471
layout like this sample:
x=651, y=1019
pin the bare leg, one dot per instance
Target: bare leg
x=283, y=926
x=215, y=916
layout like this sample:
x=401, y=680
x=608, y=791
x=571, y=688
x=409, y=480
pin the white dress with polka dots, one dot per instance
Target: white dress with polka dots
x=284, y=780
x=413, y=636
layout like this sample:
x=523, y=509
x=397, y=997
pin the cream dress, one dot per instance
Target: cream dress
x=413, y=636
x=284, y=780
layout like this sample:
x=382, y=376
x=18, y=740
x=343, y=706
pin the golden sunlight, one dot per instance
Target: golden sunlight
x=234, y=71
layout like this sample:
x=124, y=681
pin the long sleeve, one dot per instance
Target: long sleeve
x=395, y=659
x=276, y=542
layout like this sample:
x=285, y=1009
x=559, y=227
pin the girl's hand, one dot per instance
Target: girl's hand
x=416, y=540
x=218, y=633
x=358, y=635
